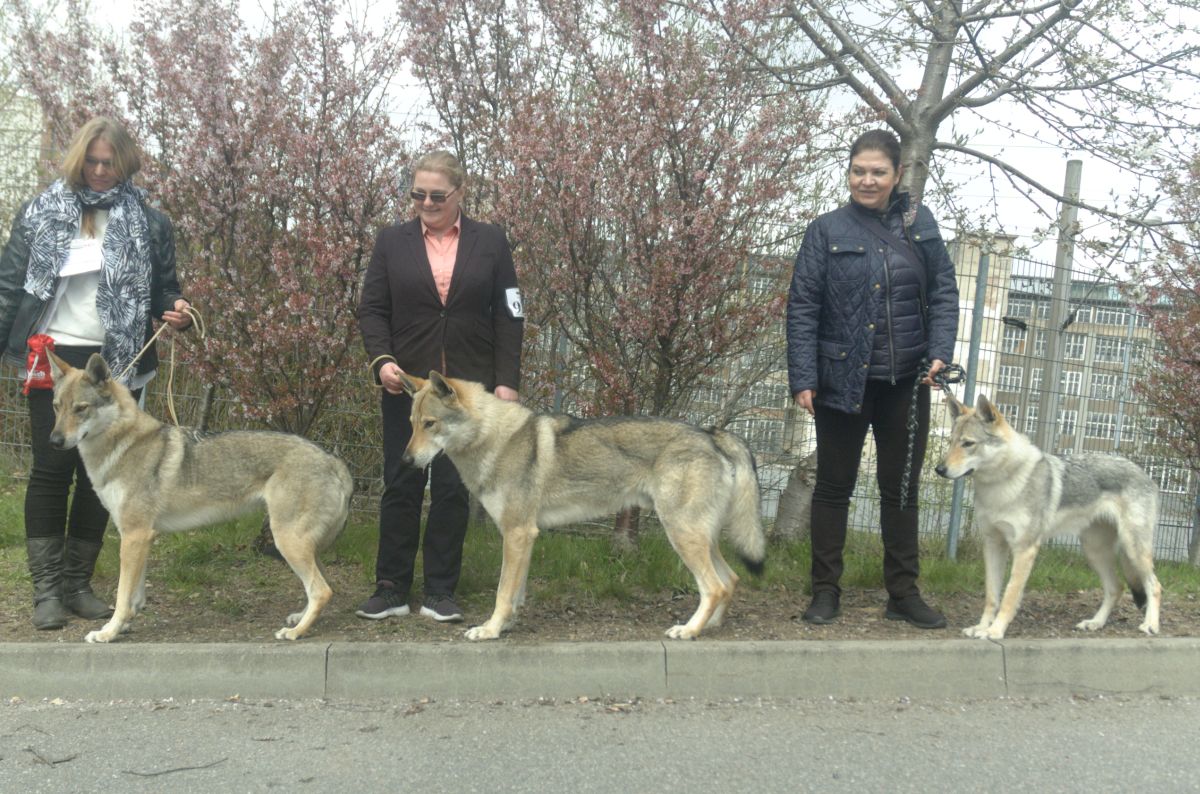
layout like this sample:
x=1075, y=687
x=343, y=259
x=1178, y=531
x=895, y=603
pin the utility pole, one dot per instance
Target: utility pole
x=1060, y=294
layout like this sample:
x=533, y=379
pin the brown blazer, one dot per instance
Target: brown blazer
x=476, y=335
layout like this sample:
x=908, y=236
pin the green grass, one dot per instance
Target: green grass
x=565, y=565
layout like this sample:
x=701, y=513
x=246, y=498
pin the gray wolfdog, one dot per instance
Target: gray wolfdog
x=534, y=471
x=1024, y=496
x=154, y=478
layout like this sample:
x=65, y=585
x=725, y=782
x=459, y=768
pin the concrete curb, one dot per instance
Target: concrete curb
x=503, y=671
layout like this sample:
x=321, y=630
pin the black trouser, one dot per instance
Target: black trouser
x=400, y=510
x=840, y=438
x=54, y=471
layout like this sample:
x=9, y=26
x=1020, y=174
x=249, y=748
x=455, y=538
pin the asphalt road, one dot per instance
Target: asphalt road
x=1046, y=745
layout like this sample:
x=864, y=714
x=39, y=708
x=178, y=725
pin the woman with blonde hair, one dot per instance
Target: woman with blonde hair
x=439, y=294
x=87, y=268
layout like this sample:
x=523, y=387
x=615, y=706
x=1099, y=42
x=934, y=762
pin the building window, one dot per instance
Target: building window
x=1071, y=383
x=1020, y=307
x=1083, y=314
x=1010, y=412
x=1010, y=378
x=1035, y=383
x=1031, y=415
x=1100, y=426
x=1067, y=421
x=1073, y=346
x=1104, y=386
x=1039, y=344
x=1014, y=340
x=1043, y=310
x=1109, y=316
x=1109, y=348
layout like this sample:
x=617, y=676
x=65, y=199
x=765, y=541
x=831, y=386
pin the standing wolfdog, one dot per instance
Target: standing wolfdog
x=1023, y=496
x=534, y=471
x=153, y=478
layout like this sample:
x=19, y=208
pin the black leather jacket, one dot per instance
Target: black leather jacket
x=20, y=311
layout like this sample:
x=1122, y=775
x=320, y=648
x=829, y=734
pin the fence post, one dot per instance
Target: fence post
x=1047, y=431
x=956, y=498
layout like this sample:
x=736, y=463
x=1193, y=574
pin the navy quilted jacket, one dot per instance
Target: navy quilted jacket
x=855, y=306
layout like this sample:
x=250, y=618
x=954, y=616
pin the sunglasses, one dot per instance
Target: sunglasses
x=437, y=196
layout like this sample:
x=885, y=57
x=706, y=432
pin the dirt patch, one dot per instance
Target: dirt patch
x=253, y=613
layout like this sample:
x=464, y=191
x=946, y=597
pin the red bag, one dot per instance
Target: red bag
x=38, y=363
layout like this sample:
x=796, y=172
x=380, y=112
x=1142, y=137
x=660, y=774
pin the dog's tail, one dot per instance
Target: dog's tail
x=743, y=521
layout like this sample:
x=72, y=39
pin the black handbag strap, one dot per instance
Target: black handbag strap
x=897, y=244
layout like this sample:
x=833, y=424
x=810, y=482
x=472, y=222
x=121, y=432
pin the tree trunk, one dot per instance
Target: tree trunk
x=625, y=529
x=792, y=521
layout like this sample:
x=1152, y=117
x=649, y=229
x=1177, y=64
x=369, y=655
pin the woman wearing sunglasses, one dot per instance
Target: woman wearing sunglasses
x=440, y=294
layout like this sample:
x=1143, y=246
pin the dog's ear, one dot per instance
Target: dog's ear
x=442, y=387
x=97, y=369
x=58, y=367
x=956, y=408
x=411, y=385
x=987, y=411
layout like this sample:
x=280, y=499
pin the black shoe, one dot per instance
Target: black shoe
x=385, y=603
x=823, y=609
x=914, y=609
x=441, y=608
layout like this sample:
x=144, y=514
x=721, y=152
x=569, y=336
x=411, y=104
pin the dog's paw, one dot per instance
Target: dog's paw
x=994, y=632
x=101, y=635
x=978, y=631
x=1148, y=628
x=1091, y=624
x=294, y=618
x=288, y=634
x=681, y=632
x=484, y=632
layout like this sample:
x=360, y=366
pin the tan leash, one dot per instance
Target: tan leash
x=198, y=322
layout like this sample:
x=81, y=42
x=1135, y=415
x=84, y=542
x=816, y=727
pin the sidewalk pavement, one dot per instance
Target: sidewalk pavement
x=668, y=669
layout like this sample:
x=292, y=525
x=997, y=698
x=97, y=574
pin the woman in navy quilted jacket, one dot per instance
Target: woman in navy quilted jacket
x=873, y=296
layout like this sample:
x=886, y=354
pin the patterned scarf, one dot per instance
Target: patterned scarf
x=123, y=296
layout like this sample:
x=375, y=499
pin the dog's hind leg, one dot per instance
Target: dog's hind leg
x=135, y=549
x=729, y=579
x=1137, y=562
x=695, y=549
x=1099, y=546
x=301, y=555
x=514, y=570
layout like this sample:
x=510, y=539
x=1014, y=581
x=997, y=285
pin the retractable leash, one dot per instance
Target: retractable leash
x=945, y=377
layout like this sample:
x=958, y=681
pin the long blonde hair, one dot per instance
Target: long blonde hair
x=126, y=159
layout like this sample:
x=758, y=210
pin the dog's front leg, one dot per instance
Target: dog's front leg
x=135, y=548
x=518, y=548
x=995, y=557
x=1022, y=566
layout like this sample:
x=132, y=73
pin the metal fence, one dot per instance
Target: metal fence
x=1103, y=350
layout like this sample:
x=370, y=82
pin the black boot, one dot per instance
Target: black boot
x=46, y=567
x=78, y=566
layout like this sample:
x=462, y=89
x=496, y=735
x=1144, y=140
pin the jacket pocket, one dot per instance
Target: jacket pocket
x=831, y=365
x=848, y=258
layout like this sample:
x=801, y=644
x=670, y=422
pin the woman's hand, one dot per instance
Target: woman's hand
x=505, y=393
x=805, y=400
x=389, y=377
x=177, y=319
x=935, y=366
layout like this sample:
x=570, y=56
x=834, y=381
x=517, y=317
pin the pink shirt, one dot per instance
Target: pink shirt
x=441, y=255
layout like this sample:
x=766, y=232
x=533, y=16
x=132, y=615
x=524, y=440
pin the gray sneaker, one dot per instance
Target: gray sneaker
x=441, y=608
x=386, y=603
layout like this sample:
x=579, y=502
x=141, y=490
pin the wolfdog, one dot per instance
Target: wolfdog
x=154, y=478
x=536, y=471
x=1024, y=496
